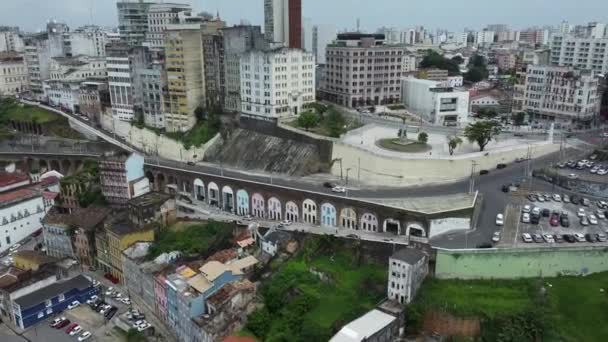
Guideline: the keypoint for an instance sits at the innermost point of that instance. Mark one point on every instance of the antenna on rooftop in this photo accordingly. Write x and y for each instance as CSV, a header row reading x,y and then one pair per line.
x,y
358,24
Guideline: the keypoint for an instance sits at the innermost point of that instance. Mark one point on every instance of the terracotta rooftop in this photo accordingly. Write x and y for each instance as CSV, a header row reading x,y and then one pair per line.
x,y
10,197
223,256
9,178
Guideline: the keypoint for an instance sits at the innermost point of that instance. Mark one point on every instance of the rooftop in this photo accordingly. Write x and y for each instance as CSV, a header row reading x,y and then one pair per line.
x,y
137,251
409,255
121,225
223,256
34,256
86,218
10,178
363,327
10,276
150,199
11,197
79,282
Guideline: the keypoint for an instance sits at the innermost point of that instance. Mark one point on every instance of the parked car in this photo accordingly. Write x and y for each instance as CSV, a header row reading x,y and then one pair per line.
x,y
554,221
63,324
483,172
532,197
558,238
500,220
85,335
548,238
248,217
581,212
569,238
585,202
584,221
575,199
566,199
564,221
73,305
537,238
541,198
602,204
546,212
527,238
557,197
525,218
338,189
76,330
590,237
496,237
601,237
600,214
527,208
111,313
71,327
536,211
144,327
573,176
592,219
501,166
579,237
329,185
93,299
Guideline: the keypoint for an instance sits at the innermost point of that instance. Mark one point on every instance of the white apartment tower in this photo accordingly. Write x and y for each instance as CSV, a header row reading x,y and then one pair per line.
x,y
563,95
583,53
89,41
277,83
159,17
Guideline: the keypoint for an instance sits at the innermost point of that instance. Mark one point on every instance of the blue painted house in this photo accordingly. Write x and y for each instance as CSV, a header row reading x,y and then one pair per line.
x,y
50,300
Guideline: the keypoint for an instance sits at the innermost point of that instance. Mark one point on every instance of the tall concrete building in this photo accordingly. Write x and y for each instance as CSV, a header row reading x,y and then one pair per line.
x,y
151,79
159,16
13,74
213,60
584,53
11,40
283,22
87,40
563,95
322,35
277,83
237,41
185,76
361,70
133,20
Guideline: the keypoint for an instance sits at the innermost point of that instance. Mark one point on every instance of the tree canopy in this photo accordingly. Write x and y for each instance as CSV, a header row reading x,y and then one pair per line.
x,y
477,69
453,143
423,137
435,60
308,120
482,133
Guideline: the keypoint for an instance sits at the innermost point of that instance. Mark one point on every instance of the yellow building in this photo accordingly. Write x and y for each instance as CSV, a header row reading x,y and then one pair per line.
x,y
185,69
31,260
114,239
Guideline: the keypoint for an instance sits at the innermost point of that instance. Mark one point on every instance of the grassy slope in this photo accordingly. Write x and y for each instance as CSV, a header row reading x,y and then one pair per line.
x,y
31,113
576,310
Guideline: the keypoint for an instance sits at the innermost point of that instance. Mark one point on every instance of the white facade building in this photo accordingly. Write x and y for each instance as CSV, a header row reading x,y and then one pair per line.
x,y
434,101
120,82
66,73
407,268
89,41
10,40
322,35
13,74
563,95
458,38
583,53
39,50
277,83
159,17
484,38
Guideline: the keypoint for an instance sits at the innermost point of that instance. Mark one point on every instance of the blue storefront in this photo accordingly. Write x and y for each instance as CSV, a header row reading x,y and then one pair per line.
x,y
50,300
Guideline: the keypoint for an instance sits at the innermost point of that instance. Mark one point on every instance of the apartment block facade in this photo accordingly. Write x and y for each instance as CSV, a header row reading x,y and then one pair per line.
x,y
583,53
361,70
122,178
159,17
277,83
13,74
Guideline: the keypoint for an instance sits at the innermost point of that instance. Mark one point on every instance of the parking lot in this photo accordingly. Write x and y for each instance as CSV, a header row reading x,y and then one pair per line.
x,y
561,231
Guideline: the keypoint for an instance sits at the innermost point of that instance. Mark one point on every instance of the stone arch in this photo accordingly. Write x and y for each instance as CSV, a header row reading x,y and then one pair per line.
x,y
160,182
292,212
228,198
274,208
199,190
214,194
309,211
54,164
391,225
348,218
328,215
257,204
369,222
242,202
415,229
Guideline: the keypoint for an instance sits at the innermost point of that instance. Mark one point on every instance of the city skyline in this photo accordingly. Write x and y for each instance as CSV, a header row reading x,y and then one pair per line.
x,y
389,13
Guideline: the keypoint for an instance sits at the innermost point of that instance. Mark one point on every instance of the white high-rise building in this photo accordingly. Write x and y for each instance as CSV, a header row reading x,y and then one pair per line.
x,y
322,35
88,40
133,20
563,95
584,53
11,40
458,38
159,17
40,49
277,83
484,38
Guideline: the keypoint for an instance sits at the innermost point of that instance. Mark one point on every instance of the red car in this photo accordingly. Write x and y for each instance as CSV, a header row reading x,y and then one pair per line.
x,y
63,324
71,327
554,221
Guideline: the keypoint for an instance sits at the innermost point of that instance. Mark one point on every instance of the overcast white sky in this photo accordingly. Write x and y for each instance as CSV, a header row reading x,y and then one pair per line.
x,y
453,15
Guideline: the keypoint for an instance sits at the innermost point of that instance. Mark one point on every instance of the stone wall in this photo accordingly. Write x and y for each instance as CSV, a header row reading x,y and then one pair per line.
x,y
151,143
520,262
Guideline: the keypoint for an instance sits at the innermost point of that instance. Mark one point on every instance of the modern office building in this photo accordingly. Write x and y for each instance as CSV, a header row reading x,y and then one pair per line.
x,y
433,100
283,22
133,21
13,74
277,83
362,70
237,41
582,53
563,95
159,17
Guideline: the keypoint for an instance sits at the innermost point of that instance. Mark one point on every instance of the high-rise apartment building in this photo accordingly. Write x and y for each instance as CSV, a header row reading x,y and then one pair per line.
x,y
237,41
39,50
159,16
213,59
11,40
584,53
563,95
185,76
283,22
13,74
534,36
484,37
87,40
362,70
277,83
133,21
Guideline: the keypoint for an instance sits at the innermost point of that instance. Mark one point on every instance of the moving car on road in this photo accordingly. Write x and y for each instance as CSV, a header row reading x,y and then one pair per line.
x,y
496,237
338,189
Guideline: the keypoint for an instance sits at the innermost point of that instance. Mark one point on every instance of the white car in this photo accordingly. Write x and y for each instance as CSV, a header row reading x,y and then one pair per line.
x,y
286,223
73,305
105,309
92,299
526,237
338,189
579,237
525,218
600,215
500,220
75,330
557,198
125,300
527,208
573,176
536,211
143,327
592,219
496,237
548,238
85,335
581,212
602,172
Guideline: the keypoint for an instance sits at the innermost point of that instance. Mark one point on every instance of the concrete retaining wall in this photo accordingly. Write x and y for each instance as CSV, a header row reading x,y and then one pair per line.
x,y
151,143
520,263
387,170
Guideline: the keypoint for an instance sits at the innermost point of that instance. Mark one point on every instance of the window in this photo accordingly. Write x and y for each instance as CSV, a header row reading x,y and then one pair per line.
x,y
40,314
48,303
61,297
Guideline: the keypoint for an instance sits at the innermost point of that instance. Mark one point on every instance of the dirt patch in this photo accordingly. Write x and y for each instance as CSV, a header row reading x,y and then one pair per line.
x,y
408,146
447,325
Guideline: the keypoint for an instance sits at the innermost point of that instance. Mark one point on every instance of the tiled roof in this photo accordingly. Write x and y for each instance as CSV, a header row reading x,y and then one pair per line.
x,y
8,178
9,197
223,256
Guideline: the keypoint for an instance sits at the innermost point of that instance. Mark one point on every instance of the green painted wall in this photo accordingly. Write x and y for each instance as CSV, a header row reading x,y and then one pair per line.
x,y
522,262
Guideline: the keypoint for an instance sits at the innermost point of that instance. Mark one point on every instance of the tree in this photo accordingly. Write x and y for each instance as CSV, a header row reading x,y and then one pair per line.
x,y
453,143
519,118
308,120
435,60
334,122
259,322
423,137
475,75
487,113
199,113
458,60
133,335
482,133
